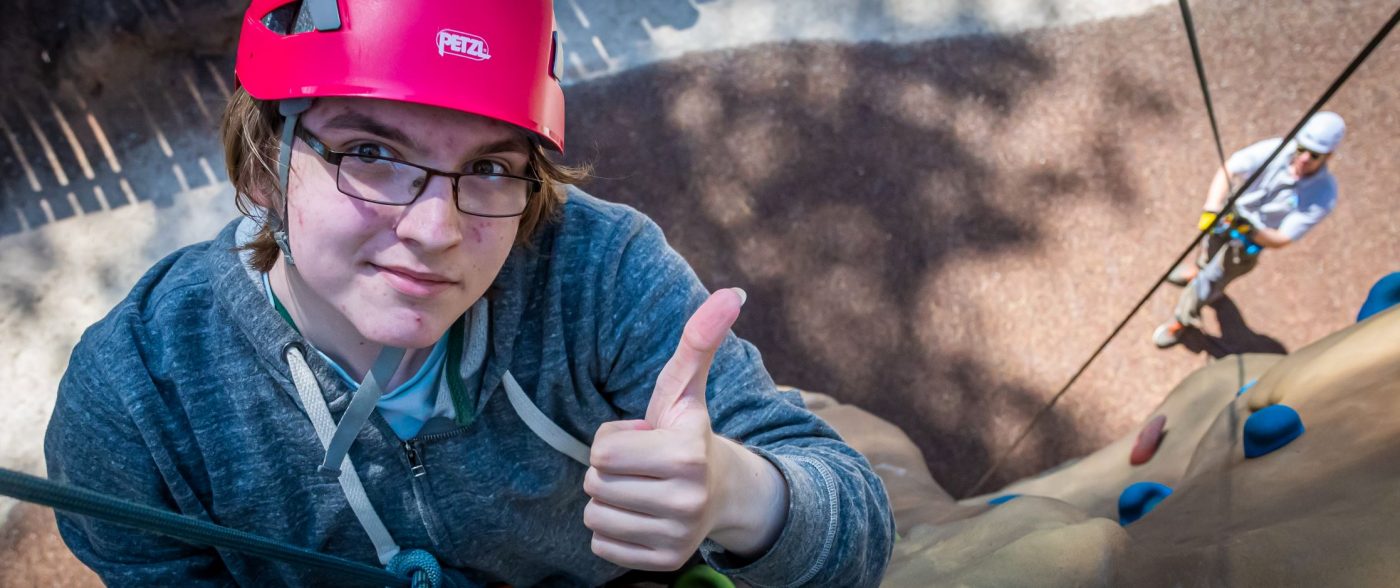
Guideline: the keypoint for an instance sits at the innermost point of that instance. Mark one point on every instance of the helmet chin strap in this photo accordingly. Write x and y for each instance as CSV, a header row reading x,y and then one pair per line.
x,y
372,386
291,111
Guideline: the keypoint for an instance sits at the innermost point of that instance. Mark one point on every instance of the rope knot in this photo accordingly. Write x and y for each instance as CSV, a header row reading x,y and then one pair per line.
x,y
420,567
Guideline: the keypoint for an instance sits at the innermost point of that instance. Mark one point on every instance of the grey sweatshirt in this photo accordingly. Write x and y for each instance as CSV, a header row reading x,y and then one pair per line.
x,y
181,398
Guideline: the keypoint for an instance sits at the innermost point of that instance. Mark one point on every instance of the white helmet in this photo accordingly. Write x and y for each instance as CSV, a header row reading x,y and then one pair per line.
x,y
1323,132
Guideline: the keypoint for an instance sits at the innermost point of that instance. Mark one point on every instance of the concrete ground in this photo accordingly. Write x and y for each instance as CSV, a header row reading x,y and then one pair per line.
x,y
936,228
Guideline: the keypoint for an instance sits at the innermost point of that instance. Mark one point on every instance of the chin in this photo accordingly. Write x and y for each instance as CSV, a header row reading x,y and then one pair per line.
x,y
411,332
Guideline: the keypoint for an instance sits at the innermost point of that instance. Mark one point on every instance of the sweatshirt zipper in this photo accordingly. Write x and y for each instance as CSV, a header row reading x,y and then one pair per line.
x,y
419,471
415,464
410,449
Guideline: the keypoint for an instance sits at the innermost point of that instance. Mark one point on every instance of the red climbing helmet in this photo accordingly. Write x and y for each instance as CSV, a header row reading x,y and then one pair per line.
x,y
495,58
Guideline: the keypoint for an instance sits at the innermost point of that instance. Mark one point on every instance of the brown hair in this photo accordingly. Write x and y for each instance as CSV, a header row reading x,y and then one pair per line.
x,y
251,134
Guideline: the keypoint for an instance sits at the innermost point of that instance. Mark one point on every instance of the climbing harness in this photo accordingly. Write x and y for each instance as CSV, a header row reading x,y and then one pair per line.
x,y
1229,205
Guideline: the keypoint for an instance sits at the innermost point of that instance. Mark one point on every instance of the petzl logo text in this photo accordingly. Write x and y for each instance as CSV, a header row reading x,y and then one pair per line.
x,y
450,42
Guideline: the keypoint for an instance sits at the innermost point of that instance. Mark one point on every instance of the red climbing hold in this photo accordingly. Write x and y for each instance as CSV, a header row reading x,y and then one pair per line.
x,y
1148,440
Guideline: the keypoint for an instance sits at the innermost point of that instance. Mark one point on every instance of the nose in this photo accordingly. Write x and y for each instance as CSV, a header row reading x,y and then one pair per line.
x,y
432,221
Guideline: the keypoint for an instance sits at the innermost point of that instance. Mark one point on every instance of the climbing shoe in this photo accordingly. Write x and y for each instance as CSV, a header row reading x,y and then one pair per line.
x,y
1167,334
1182,274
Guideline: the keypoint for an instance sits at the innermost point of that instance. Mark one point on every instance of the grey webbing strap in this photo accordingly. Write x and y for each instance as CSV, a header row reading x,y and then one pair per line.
x,y
290,110
546,429
361,406
315,404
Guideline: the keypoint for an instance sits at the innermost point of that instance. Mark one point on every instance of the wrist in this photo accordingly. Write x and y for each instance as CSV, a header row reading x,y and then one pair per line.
x,y
753,502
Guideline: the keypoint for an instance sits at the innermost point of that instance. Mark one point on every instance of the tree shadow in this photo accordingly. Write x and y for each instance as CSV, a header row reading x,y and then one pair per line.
x,y
123,107
830,182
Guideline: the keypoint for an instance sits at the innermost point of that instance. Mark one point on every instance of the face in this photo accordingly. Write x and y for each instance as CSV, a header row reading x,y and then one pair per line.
x,y
396,275
1306,163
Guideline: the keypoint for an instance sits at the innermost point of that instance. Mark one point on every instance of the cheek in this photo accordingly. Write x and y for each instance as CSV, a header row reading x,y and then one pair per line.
x,y
493,234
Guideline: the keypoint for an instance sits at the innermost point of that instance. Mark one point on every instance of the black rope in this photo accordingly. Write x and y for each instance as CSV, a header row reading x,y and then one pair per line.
x,y
93,504
1205,87
1332,89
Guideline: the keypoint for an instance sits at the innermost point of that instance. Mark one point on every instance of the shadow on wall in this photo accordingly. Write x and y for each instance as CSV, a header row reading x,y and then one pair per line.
x,y
830,182
110,104
597,32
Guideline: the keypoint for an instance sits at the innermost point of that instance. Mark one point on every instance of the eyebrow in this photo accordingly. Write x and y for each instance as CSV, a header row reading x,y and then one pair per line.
x,y
356,121
363,122
515,143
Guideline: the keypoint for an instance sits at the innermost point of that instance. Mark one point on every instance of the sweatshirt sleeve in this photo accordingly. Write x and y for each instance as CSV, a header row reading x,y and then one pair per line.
x,y
93,442
839,529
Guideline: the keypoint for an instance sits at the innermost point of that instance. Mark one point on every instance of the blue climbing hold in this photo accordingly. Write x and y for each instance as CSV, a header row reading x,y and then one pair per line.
x,y
1139,499
1271,428
1004,499
1385,294
1247,386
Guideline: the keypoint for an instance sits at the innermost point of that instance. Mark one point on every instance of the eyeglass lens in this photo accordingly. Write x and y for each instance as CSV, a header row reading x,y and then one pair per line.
x,y
389,182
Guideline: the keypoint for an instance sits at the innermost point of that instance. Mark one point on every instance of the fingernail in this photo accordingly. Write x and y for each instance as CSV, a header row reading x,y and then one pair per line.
x,y
743,296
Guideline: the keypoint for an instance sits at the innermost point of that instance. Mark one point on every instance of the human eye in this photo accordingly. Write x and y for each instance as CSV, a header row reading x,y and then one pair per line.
x,y
369,152
488,167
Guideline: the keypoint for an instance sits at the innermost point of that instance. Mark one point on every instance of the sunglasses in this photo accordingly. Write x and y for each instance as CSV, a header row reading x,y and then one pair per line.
x,y
1314,154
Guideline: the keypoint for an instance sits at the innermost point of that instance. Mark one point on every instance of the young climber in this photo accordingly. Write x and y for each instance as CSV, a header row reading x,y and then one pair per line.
x,y
1294,193
421,336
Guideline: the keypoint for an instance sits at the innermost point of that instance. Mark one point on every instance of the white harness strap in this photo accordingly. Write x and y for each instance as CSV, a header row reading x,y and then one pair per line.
x,y
315,404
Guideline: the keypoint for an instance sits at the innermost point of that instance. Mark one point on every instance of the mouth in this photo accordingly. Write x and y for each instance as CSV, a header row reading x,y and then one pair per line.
x,y
414,283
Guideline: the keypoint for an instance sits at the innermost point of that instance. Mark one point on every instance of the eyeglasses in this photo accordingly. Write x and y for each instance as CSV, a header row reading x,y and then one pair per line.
x,y
386,180
1314,154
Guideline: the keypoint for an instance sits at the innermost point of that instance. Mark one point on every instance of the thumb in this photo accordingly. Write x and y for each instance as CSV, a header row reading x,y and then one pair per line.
x,y
679,395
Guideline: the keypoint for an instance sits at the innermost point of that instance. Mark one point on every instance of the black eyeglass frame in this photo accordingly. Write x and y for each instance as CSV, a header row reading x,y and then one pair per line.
x,y
334,157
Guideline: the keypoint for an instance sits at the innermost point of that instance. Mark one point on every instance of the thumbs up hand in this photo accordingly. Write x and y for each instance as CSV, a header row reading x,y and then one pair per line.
x,y
660,486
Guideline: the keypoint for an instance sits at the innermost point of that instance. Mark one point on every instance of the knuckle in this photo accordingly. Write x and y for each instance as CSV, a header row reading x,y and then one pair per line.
x,y
607,428
602,455
599,547
591,515
592,482
692,455
677,533
690,504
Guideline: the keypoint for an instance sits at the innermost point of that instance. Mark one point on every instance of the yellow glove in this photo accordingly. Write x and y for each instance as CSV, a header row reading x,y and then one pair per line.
x,y
1207,220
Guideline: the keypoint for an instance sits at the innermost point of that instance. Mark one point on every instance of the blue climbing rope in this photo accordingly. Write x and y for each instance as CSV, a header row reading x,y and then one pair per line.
x,y
85,502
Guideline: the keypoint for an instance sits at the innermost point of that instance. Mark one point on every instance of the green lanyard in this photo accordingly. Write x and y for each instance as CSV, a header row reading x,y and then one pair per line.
x,y
282,310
